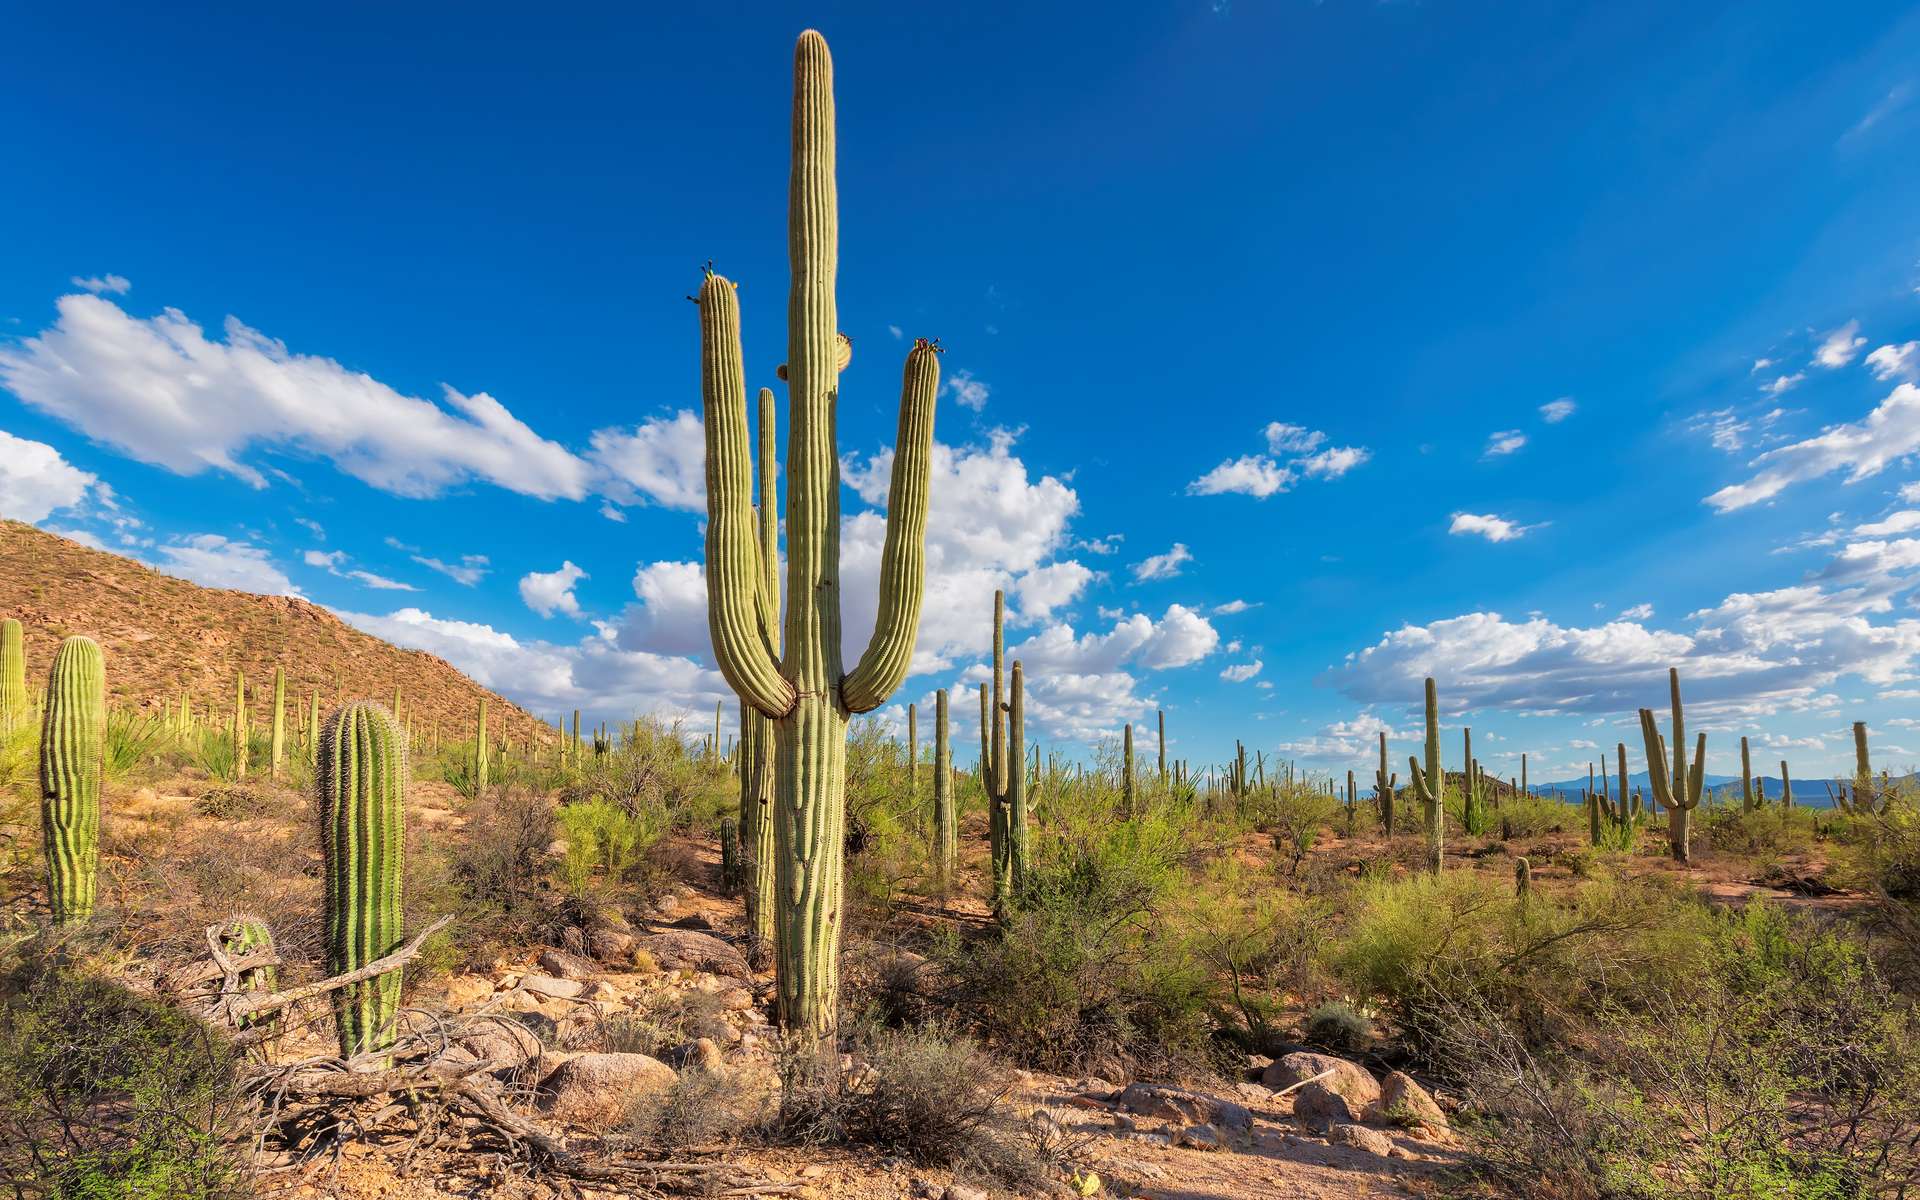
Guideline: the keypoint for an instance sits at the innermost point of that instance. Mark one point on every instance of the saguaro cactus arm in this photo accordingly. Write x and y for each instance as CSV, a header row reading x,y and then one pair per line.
x,y
903,558
744,652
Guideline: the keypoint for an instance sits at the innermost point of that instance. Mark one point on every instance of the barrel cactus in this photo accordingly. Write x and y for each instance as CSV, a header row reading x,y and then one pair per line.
x,y
362,781
245,936
805,689
72,735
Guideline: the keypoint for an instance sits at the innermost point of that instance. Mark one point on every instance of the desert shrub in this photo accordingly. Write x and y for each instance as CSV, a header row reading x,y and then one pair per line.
x,y
230,801
604,841
133,740
1420,947
650,769
104,1093
930,1094
1340,1028
886,836
702,1108
501,861
212,751
1086,971
1528,816
1262,944
1764,833
1789,1071
657,1021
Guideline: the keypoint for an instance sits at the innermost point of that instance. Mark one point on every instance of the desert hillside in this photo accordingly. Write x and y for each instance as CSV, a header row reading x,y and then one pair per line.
x,y
163,634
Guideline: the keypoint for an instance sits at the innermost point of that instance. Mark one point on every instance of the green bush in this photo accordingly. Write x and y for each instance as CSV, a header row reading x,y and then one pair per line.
x,y
104,1093
1764,833
604,841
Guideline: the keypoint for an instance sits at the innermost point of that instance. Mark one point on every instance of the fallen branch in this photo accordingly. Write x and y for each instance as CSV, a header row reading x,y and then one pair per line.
x,y
237,1005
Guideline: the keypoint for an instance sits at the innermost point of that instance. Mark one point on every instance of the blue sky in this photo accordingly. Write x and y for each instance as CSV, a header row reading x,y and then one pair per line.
x,y
1295,351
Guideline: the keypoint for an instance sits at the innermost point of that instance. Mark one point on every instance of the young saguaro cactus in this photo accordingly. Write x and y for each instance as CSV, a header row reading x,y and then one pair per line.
x,y
1677,790
756,729
803,689
946,832
1747,799
240,725
1430,783
1383,789
1003,744
279,721
362,782
481,754
72,733
13,675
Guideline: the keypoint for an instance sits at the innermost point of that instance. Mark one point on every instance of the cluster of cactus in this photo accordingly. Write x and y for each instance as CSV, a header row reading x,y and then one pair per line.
x,y
1430,782
1473,789
72,736
1677,789
803,688
362,779
1003,762
1613,823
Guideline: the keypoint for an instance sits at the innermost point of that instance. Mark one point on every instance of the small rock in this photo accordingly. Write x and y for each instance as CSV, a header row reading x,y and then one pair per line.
x,y
467,991
1184,1104
597,1089
508,1045
812,1171
736,999
1360,1137
1097,1086
926,1189
701,1053
1202,1137
1351,1080
611,946
1319,1106
1404,1102
960,1191
563,965
694,921
667,905
547,985
686,950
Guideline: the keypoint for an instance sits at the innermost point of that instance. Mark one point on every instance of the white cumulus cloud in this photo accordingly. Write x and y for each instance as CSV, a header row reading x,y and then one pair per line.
x,y
1488,526
1861,448
548,592
1163,566
36,481
1840,347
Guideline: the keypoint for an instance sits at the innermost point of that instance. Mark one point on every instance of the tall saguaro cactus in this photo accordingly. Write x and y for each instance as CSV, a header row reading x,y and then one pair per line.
x,y
1747,799
803,688
480,748
240,725
1161,715
13,675
756,729
1678,790
1430,783
72,733
362,782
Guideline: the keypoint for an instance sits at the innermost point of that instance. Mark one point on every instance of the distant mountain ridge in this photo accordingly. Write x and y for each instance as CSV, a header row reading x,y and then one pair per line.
x,y
164,635
1813,792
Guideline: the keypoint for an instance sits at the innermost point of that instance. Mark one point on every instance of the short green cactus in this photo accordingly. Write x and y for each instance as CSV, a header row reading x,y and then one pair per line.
x,y
362,783
72,736
1677,790
243,936
13,676
1430,783
1522,878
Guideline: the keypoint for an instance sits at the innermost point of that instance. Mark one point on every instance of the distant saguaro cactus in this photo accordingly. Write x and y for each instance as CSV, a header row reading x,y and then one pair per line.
x,y
13,675
805,689
362,793
72,734
240,725
279,721
1430,783
1383,789
946,834
1678,790
481,756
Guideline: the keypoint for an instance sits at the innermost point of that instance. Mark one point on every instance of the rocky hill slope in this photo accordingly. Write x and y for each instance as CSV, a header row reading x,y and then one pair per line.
x,y
164,636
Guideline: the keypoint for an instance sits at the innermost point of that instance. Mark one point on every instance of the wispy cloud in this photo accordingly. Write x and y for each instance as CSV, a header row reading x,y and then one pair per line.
x,y
1840,347
1241,672
1163,566
967,391
1503,443
118,285
471,568
1555,411
1293,452
1861,448
1488,526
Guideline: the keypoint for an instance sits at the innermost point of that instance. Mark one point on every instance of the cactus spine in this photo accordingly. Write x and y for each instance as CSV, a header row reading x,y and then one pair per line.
x,y
13,676
1678,790
72,733
946,833
362,782
1430,784
804,689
